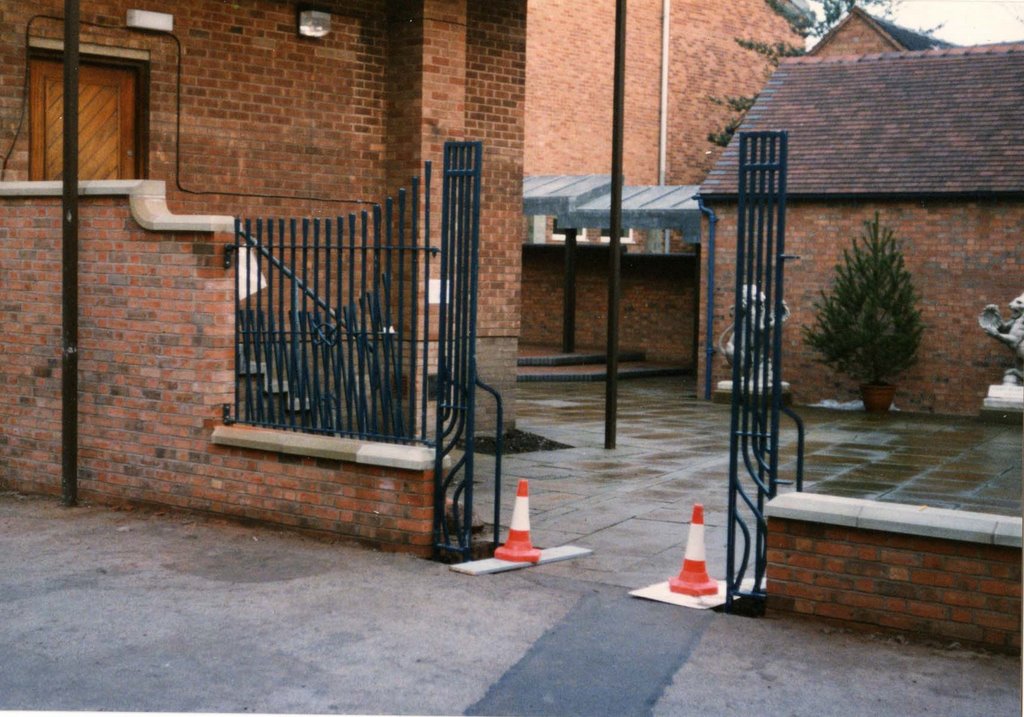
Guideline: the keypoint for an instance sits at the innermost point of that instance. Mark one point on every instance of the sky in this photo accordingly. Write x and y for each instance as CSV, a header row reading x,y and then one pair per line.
x,y
963,22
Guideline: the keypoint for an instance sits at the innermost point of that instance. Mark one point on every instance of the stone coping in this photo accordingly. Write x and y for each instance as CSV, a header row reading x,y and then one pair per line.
x,y
389,455
919,520
146,197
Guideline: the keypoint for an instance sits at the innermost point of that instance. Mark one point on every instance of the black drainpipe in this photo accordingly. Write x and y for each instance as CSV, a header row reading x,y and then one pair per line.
x,y
709,343
69,262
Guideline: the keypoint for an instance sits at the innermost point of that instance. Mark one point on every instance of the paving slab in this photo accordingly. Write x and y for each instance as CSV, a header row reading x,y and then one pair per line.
x,y
491,566
657,474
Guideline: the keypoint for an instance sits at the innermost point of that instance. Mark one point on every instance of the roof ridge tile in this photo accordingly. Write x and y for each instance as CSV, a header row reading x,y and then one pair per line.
x,y
998,48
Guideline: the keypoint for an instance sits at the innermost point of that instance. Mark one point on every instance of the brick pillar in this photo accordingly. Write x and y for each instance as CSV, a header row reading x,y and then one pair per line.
x,y
426,84
456,70
495,113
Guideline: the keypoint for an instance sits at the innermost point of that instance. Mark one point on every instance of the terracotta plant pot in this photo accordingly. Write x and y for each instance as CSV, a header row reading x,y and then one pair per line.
x,y
877,397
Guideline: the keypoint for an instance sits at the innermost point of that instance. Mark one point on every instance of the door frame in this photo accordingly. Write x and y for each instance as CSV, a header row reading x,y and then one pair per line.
x,y
140,68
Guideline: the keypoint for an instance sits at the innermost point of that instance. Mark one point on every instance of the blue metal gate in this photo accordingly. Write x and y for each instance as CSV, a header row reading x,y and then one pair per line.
x,y
759,312
331,329
358,327
457,378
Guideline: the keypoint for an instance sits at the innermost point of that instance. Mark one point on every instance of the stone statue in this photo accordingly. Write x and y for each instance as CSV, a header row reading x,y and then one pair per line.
x,y
1009,332
753,304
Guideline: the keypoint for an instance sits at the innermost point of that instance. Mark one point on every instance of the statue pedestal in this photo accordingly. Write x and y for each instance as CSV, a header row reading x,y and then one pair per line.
x,y
723,393
1004,402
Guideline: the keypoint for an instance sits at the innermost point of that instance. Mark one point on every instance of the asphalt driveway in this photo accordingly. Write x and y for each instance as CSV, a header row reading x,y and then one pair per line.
x,y
143,611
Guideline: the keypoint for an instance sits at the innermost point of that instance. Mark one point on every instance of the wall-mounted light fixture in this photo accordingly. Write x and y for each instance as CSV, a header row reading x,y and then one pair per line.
x,y
147,20
313,21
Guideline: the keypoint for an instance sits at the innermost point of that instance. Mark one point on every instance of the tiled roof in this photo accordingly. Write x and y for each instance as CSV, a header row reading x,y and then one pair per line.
x,y
934,122
910,39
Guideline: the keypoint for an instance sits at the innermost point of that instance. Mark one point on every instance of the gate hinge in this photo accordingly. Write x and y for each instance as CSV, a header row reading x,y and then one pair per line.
x,y
229,250
226,414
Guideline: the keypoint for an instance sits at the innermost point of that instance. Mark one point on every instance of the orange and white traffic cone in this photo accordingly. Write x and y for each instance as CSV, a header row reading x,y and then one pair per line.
x,y
693,578
518,548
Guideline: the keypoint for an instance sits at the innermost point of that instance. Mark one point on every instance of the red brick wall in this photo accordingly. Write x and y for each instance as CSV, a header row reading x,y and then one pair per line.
x,y
658,302
495,106
349,116
962,255
713,65
472,59
495,79
404,77
569,93
262,110
155,347
929,586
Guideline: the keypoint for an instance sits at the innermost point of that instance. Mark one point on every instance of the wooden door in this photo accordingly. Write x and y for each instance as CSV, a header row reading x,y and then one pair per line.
x,y
107,121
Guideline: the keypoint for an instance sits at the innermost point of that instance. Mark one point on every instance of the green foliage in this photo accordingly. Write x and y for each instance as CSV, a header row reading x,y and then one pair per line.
x,y
868,327
737,105
835,10
832,11
772,52
797,20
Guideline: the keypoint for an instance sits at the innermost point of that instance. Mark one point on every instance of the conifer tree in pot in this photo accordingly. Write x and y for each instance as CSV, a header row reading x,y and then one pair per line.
x,y
868,326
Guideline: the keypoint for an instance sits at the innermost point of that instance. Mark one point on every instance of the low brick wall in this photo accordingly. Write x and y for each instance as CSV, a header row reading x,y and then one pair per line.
x,y
376,494
939,573
155,366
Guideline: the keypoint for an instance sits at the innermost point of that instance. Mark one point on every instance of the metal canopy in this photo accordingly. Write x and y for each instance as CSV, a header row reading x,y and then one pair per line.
x,y
578,201
652,207
555,196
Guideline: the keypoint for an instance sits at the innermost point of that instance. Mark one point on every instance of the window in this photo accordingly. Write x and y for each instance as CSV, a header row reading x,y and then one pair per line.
x,y
558,233
108,122
625,237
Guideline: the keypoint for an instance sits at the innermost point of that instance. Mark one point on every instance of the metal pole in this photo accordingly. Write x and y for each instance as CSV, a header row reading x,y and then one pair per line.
x,y
614,242
69,265
666,15
569,294
666,36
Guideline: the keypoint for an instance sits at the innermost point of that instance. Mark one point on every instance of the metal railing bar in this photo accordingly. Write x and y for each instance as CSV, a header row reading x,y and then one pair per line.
x,y
319,387
427,170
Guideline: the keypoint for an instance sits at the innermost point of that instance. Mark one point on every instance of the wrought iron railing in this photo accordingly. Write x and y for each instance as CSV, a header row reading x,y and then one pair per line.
x,y
759,314
334,332
457,377
331,332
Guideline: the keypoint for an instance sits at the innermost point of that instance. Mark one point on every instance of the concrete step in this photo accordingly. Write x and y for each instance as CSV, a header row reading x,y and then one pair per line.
x,y
598,372
574,359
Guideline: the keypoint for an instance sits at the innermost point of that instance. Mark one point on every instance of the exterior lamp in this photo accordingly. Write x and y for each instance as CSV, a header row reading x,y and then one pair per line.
x,y
313,22
148,20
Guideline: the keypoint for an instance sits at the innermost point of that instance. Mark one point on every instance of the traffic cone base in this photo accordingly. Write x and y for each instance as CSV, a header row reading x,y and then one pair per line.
x,y
519,548
693,580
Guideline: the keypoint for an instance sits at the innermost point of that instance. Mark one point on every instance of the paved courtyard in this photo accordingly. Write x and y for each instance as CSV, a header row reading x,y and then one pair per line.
x,y
632,505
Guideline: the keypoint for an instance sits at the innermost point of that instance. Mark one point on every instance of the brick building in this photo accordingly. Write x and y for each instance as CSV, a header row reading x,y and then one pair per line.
x,y
936,147
312,122
570,50
860,33
231,113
